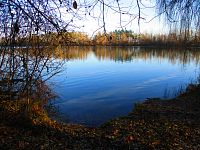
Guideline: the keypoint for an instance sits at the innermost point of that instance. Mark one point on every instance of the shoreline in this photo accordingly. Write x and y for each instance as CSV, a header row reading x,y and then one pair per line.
x,y
108,45
153,124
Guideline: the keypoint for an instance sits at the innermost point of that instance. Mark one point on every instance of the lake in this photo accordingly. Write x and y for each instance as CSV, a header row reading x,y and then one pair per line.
x,y
102,83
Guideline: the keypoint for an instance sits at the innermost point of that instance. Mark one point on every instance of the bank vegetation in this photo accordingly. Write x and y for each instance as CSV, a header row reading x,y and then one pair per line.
x,y
114,38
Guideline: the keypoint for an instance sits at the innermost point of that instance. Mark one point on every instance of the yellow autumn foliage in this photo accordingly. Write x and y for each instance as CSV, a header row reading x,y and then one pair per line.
x,y
31,110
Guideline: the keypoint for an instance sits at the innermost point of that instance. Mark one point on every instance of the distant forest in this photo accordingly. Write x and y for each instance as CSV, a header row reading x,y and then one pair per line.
x,y
114,38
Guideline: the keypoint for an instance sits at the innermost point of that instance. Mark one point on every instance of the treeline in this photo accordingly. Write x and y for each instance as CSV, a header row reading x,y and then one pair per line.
x,y
51,38
129,38
115,38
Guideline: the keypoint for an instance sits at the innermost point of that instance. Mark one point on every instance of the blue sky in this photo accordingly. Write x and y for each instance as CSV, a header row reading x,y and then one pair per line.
x,y
93,20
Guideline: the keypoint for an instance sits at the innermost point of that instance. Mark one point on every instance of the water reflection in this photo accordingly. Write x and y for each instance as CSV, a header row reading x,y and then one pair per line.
x,y
24,70
96,83
99,83
123,54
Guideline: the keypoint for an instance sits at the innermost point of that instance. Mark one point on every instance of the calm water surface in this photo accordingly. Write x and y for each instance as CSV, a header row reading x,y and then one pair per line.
x,y
101,83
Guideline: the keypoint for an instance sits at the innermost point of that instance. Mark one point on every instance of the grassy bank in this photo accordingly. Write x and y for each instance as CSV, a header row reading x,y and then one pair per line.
x,y
154,124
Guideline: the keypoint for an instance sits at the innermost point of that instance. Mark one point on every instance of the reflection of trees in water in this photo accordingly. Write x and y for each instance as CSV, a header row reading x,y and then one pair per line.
x,y
182,56
129,54
23,72
73,52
